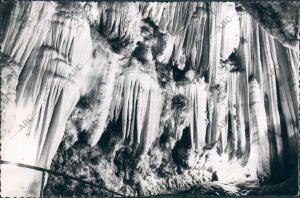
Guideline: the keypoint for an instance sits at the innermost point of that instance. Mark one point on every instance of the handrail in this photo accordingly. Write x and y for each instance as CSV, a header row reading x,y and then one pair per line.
x,y
58,174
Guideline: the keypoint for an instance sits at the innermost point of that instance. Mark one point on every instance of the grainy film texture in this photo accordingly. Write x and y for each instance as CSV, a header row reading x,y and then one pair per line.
x,y
149,98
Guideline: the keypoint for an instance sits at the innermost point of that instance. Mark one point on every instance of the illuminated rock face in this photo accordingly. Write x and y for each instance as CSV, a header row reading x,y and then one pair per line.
x,y
186,91
137,99
196,95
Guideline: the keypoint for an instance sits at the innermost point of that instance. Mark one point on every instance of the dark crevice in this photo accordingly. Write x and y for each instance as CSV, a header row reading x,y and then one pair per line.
x,y
290,164
180,151
111,136
178,74
140,52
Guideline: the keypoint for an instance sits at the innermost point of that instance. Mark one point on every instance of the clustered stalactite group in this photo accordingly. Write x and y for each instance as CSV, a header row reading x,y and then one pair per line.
x,y
236,82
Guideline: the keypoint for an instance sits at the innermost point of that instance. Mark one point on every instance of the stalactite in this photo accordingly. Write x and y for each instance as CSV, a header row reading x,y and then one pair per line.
x,y
116,23
287,79
229,33
105,64
183,31
217,47
46,76
270,92
194,37
260,150
176,17
9,72
222,126
242,140
46,92
264,56
137,98
235,91
253,121
153,10
31,23
232,93
214,38
222,19
212,112
196,93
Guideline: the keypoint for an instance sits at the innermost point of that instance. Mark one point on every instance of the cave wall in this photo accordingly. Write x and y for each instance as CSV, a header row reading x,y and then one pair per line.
x,y
206,77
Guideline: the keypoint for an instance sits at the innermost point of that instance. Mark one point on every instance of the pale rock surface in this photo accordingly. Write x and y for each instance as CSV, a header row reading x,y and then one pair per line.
x,y
147,98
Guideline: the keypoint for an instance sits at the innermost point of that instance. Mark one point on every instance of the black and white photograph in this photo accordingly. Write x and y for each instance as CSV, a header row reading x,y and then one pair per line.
x,y
149,99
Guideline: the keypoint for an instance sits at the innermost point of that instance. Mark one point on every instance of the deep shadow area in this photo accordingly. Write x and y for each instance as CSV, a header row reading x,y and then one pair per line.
x,y
111,136
180,151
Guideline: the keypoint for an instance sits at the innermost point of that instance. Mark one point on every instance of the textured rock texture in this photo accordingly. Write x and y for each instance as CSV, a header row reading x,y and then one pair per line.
x,y
278,18
150,98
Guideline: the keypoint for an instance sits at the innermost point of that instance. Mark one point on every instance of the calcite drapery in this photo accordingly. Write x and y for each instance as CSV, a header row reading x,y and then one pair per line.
x,y
196,94
225,47
259,133
137,98
46,93
271,63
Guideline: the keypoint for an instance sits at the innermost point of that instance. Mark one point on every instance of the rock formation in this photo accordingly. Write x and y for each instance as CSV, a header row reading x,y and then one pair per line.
x,y
149,98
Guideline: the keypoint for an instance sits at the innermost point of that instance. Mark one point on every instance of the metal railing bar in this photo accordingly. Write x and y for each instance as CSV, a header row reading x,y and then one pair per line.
x,y
58,174
42,184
